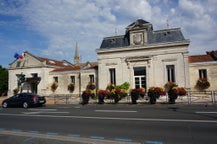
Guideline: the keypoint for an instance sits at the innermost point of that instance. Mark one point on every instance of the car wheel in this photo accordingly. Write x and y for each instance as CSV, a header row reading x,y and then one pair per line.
x,y
5,105
25,105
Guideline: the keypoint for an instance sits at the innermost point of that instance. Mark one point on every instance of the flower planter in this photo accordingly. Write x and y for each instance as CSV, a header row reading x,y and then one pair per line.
x,y
101,99
172,98
152,97
152,100
116,98
134,98
85,99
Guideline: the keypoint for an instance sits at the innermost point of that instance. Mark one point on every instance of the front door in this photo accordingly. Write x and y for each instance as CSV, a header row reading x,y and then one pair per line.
x,y
140,77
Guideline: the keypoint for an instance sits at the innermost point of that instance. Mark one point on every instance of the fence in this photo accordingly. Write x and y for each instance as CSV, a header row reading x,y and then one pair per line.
x,y
192,97
64,98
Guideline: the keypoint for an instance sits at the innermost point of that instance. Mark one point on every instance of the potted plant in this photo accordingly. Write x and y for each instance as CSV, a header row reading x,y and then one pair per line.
x,y
54,86
91,86
16,90
101,95
71,87
202,84
172,90
182,91
86,96
154,93
117,92
136,93
173,94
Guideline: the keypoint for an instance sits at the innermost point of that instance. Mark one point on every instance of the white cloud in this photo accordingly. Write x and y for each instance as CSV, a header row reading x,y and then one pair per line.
x,y
63,22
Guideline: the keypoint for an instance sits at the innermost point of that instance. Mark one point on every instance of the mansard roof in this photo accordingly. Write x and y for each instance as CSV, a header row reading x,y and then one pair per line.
x,y
153,37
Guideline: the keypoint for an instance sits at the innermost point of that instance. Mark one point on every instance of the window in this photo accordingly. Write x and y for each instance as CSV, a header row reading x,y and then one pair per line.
x,y
91,78
140,77
171,73
72,79
112,76
55,79
202,73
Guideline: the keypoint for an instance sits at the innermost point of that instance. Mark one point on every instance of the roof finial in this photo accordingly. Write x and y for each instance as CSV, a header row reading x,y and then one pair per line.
x,y
116,31
168,23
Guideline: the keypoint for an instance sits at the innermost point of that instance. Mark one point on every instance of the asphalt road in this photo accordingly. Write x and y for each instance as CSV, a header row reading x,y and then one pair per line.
x,y
109,123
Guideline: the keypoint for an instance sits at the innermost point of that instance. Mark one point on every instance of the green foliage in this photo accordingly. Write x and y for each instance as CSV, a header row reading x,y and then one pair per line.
x,y
3,81
125,86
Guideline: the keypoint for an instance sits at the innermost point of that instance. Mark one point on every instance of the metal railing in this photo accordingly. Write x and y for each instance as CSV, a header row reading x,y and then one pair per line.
x,y
192,97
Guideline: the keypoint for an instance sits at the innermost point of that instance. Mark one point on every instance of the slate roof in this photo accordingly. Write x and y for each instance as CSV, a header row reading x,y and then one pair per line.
x,y
154,37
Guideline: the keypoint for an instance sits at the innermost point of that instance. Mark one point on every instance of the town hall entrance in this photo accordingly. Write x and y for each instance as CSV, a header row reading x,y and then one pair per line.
x,y
140,77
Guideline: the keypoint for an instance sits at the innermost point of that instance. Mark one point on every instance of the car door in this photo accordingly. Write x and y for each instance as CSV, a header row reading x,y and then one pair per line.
x,y
20,99
13,101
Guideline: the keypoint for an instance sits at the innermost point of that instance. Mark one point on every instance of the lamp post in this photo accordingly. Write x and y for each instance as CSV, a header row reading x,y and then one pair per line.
x,y
20,80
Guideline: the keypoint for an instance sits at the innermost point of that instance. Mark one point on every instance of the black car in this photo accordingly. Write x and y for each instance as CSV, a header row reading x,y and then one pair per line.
x,y
24,100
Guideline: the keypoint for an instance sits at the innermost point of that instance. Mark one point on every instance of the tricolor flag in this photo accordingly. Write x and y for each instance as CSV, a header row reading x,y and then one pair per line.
x,y
18,56
22,56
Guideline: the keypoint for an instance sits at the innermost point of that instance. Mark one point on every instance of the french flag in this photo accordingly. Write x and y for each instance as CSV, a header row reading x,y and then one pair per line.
x,y
17,56
22,56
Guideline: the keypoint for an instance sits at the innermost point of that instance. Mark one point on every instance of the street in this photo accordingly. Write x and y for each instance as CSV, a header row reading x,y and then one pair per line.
x,y
110,123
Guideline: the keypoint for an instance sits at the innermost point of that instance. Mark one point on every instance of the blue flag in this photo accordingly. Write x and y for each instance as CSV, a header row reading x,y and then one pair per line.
x,y
16,55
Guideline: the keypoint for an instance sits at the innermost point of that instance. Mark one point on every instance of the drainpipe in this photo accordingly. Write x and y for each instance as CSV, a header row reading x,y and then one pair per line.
x,y
79,76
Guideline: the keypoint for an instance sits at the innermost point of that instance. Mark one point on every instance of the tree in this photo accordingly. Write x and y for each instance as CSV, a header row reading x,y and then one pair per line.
x,y
3,81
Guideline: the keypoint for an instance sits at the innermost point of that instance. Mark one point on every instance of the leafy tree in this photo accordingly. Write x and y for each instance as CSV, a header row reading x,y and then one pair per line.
x,y
3,81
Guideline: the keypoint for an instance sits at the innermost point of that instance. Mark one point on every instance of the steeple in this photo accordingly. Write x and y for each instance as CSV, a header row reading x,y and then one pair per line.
x,y
76,57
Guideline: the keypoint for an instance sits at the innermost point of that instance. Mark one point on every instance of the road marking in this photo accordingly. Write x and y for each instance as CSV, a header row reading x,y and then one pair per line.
x,y
73,135
16,130
42,109
40,112
29,139
65,138
34,131
52,133
114,118
2,129
204,112
123,139
154,142
97,137
115,111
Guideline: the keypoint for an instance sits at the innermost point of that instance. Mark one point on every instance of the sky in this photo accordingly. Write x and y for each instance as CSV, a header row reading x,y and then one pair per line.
x,y
51,28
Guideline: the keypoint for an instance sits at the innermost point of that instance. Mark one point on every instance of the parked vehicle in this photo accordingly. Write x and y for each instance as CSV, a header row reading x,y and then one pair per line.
x,y
24,100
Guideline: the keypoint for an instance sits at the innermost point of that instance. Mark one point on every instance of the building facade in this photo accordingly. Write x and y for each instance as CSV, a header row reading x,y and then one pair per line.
x,y
40,73
144,57
203,66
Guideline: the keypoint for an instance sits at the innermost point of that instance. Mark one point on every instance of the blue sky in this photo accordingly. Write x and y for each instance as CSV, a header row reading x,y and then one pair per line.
x,y
51,28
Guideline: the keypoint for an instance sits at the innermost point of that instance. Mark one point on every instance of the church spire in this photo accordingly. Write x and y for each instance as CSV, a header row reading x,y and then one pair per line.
x,y
76,57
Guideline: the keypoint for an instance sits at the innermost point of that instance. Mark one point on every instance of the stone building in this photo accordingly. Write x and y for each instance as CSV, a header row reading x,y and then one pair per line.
x,y
203,66
40,73
144,57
